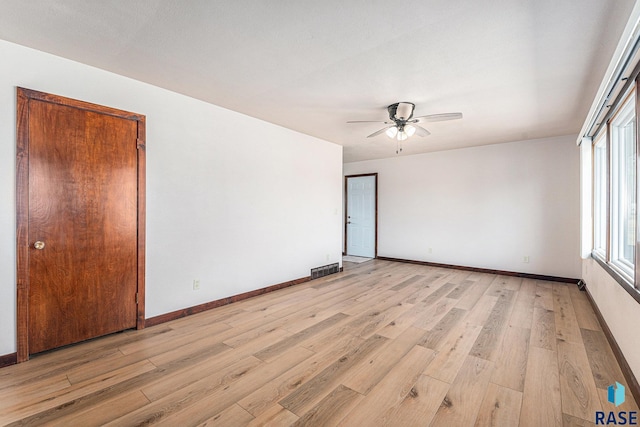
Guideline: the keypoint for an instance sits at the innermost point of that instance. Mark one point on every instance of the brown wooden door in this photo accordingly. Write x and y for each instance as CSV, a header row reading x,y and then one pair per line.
x,y
83,208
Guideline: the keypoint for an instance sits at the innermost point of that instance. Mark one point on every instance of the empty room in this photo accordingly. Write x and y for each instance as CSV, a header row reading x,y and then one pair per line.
x,y
319,213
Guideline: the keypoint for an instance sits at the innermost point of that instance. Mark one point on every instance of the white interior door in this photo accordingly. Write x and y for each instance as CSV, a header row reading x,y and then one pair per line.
x,y
361,216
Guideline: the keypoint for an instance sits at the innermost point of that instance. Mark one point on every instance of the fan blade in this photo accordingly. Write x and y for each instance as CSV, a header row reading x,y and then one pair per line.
x,y
439,117
365,121
379,132
420,131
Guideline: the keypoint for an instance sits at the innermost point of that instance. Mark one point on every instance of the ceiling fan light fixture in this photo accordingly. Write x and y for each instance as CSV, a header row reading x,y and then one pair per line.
x,y
392,132
402,135
409,130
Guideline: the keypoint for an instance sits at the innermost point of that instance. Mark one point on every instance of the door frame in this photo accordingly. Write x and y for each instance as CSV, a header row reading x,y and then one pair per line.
x,y
346,210
24,96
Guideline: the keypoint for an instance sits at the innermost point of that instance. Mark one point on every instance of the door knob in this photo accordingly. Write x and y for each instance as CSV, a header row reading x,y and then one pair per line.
x,y
39,245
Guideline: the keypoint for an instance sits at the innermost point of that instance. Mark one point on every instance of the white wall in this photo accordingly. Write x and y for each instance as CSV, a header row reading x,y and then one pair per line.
x,y
233,201
485,207
618,308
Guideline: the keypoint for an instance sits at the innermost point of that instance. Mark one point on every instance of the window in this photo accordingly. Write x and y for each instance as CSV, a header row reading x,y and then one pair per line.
x,y
614,194
600,195
623,189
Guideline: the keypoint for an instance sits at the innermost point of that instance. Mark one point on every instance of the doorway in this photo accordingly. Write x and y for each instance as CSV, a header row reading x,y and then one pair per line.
x,y
361,215
80,221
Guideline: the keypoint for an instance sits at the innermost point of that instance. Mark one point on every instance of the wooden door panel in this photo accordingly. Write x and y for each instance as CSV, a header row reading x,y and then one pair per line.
x,y
83,204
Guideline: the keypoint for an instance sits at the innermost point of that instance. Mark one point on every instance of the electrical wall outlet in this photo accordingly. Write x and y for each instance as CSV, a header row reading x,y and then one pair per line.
x,y
430,250
525,259
196,284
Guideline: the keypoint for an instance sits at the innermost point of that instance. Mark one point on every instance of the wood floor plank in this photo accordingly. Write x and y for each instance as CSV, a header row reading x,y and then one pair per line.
x,y
205,318
430,285
454,351
407,282
204,399
276,349
401,323
363,377
570,421
241,335
480,312
365,303
522,314
496,286
327,338
460,290
544,296
371,322
603,363
170,340
567,328
307,318
490,338
379,404
328,296
462,402
541,400
438,294
330,410
106,411
184,375
215,377
234,415
189,339
106,364
49,365
500,407
433,338
274,416
511,362
40,405
430,314
472,296
346,277
279,300
459,276
354,303
11,396
200,362
543,331
504,283
264,397
585,315
333,292
420,405
313,391
545,284
577,387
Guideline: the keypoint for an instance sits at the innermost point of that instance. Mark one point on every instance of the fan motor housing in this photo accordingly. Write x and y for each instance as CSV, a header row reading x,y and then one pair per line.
x,y
401,110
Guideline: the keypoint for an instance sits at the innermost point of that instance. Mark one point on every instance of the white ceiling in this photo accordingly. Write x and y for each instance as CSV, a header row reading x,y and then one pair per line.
x,y
516,69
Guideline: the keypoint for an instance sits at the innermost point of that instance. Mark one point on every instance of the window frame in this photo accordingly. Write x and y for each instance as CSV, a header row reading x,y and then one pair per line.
x,y
600,201
618,126
625,273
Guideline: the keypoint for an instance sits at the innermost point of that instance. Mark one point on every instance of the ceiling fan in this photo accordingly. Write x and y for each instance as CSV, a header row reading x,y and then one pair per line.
x,y
402,124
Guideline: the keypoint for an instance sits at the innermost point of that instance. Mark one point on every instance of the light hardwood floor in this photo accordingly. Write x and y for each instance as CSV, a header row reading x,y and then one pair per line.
x,y
381,343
